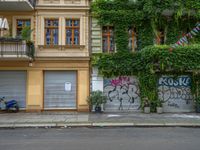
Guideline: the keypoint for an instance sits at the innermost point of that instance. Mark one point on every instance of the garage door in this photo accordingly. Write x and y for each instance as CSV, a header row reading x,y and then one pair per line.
x,y
13,86
60,89
176,93
123,94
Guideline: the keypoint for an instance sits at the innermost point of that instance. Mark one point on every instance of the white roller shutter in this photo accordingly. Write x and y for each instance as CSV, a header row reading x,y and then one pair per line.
x,y
60,89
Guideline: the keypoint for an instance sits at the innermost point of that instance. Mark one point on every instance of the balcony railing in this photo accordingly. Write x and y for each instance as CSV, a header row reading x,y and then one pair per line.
x,y
15,48
63,2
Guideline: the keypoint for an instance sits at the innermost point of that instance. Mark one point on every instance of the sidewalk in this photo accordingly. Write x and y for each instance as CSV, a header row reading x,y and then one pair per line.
x,y
73,119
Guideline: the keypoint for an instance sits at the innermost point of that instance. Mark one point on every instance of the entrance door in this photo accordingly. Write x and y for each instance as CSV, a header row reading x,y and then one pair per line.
x,y
60,89
13,86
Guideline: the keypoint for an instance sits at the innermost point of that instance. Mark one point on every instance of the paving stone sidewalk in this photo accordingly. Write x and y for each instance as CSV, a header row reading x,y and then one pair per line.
x,y
73,119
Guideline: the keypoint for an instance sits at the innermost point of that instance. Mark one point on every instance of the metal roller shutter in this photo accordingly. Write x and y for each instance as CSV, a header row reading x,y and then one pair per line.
x,y
60,89
123,94
13,86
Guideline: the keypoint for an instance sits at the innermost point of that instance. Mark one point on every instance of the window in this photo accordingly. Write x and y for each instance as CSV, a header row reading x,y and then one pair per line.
x,y
108,39
51,32
21,23
72,32
160,37
132,43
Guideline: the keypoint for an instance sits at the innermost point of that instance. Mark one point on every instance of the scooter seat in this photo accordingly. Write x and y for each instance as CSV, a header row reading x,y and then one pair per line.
x,y
11,103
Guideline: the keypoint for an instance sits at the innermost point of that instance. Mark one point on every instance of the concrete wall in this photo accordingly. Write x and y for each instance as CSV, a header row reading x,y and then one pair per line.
x,y
83,89
35,90
97,81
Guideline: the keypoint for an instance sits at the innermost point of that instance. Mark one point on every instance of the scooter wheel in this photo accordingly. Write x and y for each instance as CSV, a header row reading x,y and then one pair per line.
x,y
16,109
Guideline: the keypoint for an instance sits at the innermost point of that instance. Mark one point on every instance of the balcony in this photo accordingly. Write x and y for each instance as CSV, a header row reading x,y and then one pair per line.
x,y
17,5
11,48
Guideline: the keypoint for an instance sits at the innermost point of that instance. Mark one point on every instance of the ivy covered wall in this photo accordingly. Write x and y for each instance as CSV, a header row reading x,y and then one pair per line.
x,y
147,16
175,18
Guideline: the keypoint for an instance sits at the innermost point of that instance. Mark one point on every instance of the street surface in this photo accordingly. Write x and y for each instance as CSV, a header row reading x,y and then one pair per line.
x,y
100,139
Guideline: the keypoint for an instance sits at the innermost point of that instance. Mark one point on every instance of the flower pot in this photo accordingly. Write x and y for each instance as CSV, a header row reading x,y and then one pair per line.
x,y
102,107
93,108
159,110
146,110
98,109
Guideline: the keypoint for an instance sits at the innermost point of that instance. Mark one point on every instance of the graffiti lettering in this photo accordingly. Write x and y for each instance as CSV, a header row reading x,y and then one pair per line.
x,y
167,81
176,93
123,93
173,105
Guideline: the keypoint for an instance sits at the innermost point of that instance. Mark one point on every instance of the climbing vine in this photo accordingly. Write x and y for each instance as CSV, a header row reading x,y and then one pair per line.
x,y
147,16
175,18
150,63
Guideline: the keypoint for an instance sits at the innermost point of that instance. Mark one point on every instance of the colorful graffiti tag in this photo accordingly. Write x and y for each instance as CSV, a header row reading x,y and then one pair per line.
x,y
122,93
176,93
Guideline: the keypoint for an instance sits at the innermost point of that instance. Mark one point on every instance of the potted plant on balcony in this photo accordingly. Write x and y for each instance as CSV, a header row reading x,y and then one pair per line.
x,y
146,104
26,36
96,101
159,106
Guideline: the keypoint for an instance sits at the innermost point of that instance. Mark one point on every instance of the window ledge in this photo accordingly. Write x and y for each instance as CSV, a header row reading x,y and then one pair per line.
x,y
62,47
74,46
48,46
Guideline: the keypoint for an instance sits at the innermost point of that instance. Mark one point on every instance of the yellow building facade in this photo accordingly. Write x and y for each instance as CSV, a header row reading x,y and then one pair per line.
x,y
58,77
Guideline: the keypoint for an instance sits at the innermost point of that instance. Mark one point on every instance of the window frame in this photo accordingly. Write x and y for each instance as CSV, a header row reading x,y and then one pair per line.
x,y
160,37
73,28
133,37
51,36
108,36
17,27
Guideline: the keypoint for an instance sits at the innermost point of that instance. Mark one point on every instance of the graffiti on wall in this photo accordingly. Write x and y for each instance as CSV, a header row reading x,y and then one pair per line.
x,y
175,93
122,93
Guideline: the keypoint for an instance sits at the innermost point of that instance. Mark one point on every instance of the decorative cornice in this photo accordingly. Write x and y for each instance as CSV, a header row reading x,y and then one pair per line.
x,y
62,58
61,7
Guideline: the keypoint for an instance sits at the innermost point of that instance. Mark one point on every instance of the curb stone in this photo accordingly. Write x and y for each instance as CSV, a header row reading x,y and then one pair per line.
x,y
97,124
110,124
71,124
149,124
183,124
34,125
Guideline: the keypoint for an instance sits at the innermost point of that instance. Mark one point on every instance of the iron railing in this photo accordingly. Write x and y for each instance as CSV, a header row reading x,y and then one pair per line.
x,y
15,48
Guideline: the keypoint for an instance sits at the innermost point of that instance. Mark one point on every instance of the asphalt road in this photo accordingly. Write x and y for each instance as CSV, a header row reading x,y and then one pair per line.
x,y
100,139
